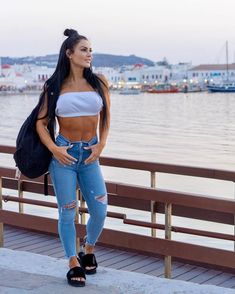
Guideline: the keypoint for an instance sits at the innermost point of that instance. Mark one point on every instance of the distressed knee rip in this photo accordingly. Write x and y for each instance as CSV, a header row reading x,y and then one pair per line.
x,y
70,205
67,213
102,198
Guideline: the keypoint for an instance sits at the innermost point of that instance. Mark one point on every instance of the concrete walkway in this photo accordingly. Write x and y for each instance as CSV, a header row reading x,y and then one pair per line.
x,y
26,273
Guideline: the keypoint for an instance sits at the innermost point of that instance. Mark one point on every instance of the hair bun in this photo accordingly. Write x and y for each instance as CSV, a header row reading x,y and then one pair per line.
x,y
70,33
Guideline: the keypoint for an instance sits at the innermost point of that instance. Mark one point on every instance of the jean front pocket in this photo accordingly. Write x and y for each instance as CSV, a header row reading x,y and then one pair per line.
x,y
61,142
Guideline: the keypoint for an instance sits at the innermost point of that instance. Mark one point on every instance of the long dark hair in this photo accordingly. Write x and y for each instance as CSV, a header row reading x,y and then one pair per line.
x,y
53,85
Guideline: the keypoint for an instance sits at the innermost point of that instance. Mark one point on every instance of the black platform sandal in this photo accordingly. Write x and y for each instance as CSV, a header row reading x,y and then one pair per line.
x,y
76,272
88,260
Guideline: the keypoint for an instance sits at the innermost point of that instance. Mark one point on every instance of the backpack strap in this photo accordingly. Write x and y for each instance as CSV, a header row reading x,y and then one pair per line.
x,y
46,183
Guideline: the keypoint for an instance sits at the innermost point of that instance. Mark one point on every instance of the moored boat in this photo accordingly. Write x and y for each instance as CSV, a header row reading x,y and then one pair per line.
x,y
163,88
191,88
129,91
226,87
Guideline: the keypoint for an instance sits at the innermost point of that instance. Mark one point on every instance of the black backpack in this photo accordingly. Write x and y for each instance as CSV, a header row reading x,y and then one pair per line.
x,y
32,157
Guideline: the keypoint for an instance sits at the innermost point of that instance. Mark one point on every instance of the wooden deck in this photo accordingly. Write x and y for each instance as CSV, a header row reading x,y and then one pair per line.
x,y
19,239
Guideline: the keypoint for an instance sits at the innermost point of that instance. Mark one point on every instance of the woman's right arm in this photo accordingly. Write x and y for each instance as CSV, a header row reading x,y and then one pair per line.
x,y
41,127
60,153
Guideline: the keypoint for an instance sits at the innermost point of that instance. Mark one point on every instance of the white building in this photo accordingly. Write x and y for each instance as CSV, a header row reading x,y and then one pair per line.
x,y
138,73
113,75
158,73
8,77
155,74
180,71
212,72
132,74
24,76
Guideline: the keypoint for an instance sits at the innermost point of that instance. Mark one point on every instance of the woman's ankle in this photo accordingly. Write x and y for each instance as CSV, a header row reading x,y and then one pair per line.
x,y
73,261
89,249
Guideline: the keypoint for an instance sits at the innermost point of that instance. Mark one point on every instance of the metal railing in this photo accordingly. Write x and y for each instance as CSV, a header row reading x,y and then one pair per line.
x,y
156,201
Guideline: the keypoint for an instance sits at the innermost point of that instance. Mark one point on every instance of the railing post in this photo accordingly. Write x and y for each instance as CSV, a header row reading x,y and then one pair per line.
x,y
168,213
234,220
20,195
77,221
153,203
1,223
82,214
82,205
82,218
234,233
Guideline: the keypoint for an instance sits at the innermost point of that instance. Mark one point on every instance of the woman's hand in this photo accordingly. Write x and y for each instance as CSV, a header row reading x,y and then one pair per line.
x,y
60,153
95,152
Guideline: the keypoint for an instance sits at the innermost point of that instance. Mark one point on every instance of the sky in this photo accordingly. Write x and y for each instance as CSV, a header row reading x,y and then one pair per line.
x,y
180,30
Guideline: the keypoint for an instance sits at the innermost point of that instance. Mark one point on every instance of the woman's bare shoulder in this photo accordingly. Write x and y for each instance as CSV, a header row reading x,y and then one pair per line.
x,y
103,79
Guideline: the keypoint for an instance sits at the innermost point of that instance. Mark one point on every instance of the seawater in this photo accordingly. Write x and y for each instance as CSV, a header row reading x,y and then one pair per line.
x,y
194,129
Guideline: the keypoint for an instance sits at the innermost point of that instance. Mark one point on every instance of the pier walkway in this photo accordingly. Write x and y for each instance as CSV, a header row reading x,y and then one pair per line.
x,y
25,272
142,269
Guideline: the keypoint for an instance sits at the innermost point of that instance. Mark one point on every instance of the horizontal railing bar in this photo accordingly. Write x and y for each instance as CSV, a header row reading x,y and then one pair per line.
x,y
109,213
7,198
38,187
175,229
7,172
197,213
203,233
169,168
7,149
180,230
181,198
10,173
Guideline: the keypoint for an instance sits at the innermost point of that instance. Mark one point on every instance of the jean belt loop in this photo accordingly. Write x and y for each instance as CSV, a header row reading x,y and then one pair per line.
x,y
93,140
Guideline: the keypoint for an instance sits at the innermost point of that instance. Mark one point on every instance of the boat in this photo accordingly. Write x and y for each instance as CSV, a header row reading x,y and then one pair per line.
x,y
191,88
163,88
129,91
226,86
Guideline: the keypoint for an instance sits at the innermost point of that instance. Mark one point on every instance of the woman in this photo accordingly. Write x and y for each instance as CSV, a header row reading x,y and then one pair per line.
x,y
79,99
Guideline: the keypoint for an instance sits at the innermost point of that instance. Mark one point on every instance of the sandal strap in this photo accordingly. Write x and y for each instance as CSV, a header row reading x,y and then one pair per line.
x,y
76,272
88,260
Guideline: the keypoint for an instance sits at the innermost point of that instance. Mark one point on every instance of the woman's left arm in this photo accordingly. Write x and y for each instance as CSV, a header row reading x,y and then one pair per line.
x,y
103,128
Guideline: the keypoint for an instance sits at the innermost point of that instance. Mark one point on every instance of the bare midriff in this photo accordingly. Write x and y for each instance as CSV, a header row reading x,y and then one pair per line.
x,y
81,128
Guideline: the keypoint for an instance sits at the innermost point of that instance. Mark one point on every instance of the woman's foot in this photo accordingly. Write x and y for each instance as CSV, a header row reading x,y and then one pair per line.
x,y
73,262
88,260
89,249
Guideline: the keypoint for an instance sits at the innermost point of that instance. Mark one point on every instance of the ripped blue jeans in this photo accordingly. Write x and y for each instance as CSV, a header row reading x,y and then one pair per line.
x,y
91,183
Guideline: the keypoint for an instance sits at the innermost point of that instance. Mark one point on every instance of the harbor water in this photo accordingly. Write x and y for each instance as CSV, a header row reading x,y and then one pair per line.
x,y
194,129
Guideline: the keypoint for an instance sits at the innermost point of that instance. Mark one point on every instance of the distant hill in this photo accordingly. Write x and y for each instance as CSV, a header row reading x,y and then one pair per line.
x,y
99,59
110,60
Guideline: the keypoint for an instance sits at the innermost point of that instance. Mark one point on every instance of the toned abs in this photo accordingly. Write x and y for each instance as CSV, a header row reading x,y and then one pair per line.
x,y
78,128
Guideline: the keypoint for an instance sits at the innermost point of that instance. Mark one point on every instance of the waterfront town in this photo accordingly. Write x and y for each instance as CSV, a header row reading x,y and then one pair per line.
x,y
127,79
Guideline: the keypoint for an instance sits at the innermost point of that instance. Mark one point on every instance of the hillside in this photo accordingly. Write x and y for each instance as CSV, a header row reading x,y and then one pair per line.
x,y
99,59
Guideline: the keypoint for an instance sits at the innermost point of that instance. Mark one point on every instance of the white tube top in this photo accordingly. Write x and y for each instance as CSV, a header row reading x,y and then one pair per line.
x,y
72,104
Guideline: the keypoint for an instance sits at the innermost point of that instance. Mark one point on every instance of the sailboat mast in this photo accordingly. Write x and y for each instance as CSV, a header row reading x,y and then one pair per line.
x,y
227,58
